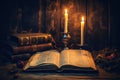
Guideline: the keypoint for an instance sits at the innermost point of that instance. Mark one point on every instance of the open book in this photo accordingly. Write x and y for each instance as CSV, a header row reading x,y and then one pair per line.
x,y
66,60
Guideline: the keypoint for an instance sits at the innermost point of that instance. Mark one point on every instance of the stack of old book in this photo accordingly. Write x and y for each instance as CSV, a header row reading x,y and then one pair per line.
x,y
23,45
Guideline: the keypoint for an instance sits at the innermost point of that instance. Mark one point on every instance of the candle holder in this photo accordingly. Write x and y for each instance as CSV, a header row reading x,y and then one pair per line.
x,y
81,45
84,46
65,39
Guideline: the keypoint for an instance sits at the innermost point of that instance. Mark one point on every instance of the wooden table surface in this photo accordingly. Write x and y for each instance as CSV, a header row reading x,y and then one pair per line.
x,y
8,72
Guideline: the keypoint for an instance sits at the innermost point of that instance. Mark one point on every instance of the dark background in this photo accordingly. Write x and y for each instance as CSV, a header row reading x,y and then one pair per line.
x,y
114,18
47,16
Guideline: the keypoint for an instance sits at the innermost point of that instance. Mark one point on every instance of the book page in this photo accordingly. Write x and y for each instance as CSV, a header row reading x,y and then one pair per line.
x,y
79,58
50,57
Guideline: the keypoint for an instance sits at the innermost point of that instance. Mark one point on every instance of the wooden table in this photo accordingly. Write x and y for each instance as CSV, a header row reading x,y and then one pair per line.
x,y
6,74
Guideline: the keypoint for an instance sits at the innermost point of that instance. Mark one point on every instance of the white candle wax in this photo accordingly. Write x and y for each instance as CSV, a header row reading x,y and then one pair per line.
x,y
82,31
66,21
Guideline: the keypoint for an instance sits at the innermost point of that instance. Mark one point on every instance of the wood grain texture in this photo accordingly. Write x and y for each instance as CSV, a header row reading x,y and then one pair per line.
x,y
48,16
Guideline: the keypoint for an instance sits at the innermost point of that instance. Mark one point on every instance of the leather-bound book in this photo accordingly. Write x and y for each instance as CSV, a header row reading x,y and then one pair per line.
x,y
30,39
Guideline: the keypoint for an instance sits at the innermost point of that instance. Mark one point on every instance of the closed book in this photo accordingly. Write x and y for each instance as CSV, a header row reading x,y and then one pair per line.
x,y
30,38
32,48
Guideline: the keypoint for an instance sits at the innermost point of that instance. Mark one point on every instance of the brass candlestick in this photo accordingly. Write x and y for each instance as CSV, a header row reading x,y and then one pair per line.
x,y
65,39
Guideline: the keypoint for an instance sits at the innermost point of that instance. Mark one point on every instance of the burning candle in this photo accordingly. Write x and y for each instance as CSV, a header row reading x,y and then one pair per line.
x,y
66,21
82,31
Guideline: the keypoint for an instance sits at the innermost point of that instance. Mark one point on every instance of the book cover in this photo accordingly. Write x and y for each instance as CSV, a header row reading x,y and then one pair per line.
x,y
30,38
32,48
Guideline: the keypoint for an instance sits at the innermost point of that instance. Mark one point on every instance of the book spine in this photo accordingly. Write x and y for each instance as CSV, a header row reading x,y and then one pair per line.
x,y
33,40
26,40
40,39
32,48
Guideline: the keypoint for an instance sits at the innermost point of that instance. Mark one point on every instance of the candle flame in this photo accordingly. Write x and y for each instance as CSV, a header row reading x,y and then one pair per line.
x,y
65,11
82,19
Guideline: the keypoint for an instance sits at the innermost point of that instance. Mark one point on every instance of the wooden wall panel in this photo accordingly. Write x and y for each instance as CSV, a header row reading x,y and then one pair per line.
x,y
97,23
52,22
48,16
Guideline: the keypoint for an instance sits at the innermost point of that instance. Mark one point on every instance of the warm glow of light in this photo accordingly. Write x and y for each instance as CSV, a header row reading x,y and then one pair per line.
x,y
82,19
66,11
